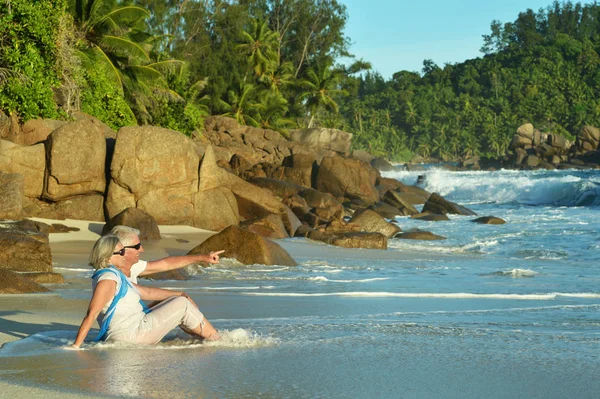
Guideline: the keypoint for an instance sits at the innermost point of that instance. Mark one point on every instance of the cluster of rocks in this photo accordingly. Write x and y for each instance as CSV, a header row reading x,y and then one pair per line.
x,y
532,149
232,175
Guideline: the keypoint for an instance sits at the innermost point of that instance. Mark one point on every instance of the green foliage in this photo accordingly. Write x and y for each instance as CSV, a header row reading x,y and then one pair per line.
x,y
28,32
101,98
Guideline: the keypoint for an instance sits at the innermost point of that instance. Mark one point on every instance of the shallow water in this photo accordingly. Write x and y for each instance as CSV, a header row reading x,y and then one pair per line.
x,y
494,311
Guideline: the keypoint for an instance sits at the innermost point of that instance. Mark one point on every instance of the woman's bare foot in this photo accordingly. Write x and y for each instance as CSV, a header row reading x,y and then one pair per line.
x,y
213,337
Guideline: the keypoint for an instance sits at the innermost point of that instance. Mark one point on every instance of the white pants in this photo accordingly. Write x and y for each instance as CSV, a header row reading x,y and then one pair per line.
x,y
164,317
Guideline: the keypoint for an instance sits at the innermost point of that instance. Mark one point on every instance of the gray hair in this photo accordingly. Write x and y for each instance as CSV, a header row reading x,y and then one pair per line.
x,y
102,251
127,235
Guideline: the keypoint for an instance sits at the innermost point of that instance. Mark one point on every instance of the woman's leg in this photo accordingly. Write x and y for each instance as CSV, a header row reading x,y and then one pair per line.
x,y
170,313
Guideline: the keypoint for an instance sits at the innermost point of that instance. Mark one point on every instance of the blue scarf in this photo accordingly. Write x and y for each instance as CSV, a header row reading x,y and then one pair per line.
x,y
125,284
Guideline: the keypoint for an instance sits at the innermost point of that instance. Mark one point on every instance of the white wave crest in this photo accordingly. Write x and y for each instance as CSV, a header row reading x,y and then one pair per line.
x,y
453,295
365,280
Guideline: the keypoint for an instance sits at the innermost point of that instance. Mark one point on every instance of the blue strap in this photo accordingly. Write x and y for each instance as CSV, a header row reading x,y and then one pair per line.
x,y
125,283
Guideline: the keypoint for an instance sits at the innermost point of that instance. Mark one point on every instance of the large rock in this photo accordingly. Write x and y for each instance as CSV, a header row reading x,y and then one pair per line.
x,y
321,138
370,221
413,195
106,130
437,204
15,283
349,178
270,226
33,131
524,137
280,188
385,210
368,240
430,217
588,139
401,201
27,161
76,156
245,246
37,130
489,220
298,169
137,219
83,207
11,196
156,170
24,250
419,235
215,209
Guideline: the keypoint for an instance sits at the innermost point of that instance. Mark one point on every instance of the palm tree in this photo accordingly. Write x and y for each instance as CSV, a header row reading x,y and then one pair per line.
x,y
278,77
242,105
321,84
117,42
273,113
260,44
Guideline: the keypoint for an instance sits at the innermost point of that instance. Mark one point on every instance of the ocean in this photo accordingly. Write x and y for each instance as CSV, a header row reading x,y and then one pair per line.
x,y
493,311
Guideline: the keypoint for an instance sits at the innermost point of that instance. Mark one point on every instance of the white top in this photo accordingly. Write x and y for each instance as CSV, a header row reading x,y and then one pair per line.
x,y
137,269
128,313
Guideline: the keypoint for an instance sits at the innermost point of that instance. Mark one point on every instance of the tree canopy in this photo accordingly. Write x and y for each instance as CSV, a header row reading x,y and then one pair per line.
x,y
283,64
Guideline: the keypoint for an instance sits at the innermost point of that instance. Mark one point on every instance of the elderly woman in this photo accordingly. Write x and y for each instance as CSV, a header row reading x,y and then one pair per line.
x,y
117,303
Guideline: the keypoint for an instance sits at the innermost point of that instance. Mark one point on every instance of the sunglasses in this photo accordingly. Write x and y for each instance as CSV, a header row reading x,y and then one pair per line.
x,y
120,252
136,246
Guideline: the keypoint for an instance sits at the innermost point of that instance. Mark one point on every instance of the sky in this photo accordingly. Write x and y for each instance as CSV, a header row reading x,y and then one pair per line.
x,y
395,35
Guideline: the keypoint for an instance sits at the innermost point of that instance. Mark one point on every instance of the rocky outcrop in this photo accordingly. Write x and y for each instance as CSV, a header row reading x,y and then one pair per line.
x,y
255,145
535,150
245,246
137,219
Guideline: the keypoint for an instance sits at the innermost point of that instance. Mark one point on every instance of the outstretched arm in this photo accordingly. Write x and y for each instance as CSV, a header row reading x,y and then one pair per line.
x,y
104,291
177,262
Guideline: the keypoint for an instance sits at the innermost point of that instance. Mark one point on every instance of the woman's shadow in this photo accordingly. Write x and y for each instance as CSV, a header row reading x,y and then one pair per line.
x,y
22,330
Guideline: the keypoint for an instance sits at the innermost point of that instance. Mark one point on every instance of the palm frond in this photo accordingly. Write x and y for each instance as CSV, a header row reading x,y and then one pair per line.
x,y
124,46
167,66
104,59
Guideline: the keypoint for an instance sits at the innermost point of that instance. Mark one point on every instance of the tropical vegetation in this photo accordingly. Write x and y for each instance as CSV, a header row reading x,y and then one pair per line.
x,y
285,64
